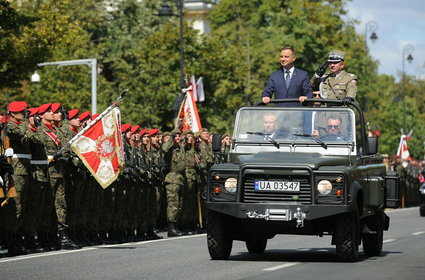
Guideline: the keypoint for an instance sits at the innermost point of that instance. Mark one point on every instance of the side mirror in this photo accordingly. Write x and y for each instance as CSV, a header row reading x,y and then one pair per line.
x,y
372,145
216,142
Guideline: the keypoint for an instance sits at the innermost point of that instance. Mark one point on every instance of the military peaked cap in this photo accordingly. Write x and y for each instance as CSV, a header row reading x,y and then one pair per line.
x,y
336,56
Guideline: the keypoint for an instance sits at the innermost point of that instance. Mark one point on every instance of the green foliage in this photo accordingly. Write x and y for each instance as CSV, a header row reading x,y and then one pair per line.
x,y
26,39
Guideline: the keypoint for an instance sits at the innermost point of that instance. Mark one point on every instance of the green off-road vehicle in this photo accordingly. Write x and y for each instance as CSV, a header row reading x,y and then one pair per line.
x,y
300,177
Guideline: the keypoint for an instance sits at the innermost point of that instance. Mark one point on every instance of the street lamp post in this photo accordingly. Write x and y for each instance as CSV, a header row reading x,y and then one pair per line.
x,y
371,26
91,62
407,50
166,11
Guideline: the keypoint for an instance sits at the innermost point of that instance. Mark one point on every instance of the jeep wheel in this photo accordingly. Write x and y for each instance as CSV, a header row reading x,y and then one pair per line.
x,y
422,211
218,237
347,236
256,245
372,241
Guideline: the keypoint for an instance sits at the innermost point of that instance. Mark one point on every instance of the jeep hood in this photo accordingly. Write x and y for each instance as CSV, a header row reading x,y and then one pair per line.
x,y
313,160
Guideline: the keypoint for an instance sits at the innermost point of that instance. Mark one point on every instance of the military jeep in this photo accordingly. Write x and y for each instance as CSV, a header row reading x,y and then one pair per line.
x,y
300,179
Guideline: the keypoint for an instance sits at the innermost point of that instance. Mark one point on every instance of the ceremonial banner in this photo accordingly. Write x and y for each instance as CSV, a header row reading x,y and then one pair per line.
x,y
402,151
188,117
101,148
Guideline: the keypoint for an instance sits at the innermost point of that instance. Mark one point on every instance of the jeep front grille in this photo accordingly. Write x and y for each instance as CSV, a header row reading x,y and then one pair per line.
x,y
250,195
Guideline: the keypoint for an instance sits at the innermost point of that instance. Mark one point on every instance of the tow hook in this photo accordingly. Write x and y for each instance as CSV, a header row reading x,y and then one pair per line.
x,y
299,216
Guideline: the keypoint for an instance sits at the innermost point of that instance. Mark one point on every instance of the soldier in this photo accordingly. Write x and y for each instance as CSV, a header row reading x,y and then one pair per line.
x,y
155,186
53,138
174,180
40,200
207,160
226,141
133,188
339,84
17,219
189,207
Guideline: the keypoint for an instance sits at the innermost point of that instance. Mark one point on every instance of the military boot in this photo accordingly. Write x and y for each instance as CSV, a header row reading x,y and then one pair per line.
x,y
173,230
14,245
65,242
33,244
152,235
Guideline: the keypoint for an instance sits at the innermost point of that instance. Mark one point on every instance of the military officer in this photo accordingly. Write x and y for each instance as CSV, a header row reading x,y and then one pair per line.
x,y
17,222
338,84
53,138
174,180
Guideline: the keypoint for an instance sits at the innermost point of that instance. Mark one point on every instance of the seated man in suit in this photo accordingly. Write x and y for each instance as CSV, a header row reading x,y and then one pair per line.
x,y
288,82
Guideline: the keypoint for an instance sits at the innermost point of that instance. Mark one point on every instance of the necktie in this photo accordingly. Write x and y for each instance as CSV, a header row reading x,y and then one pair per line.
x,y
288,78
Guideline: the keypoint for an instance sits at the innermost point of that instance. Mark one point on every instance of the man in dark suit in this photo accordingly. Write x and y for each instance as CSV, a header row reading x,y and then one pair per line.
x,y
288,82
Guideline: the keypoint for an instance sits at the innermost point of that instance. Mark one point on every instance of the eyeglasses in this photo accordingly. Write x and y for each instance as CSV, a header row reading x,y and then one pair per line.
x,y
333,126
318,94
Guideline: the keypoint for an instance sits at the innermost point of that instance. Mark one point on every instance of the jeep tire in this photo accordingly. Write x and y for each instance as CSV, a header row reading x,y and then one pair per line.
x,y
372,242
347,236
218,236
422,210
256,244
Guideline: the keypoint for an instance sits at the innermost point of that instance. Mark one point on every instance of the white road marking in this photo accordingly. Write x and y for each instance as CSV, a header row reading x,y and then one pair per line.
x,y
285,265
32,256
389,240
418,233
303,249
47,254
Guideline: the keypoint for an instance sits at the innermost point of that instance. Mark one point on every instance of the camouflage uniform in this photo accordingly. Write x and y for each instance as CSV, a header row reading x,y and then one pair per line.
x,y
190,201
19,142
207,160
174,180
41,192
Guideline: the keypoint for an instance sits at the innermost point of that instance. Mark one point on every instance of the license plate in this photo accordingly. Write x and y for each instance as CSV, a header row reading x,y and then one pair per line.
x,y
279,186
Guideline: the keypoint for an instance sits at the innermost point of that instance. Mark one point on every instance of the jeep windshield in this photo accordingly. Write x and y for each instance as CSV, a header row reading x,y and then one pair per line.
x,y
307,127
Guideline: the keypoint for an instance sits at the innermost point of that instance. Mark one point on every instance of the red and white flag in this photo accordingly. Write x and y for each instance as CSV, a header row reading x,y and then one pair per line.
x,y
197,89
402,151
101,148
188,117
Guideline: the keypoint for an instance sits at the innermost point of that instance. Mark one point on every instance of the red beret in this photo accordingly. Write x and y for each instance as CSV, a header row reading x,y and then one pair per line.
x,y
43,108
33,111
72,113
17,106
135,128
55,107
144,131
94,116
84,115
125,127
153,131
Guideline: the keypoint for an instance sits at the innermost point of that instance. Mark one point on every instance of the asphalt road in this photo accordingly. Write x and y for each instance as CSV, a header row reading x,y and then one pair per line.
x,y
286,257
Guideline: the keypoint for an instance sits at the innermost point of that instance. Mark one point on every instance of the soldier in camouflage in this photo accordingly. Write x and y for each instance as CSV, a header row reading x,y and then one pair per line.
x,y
174,180
339,84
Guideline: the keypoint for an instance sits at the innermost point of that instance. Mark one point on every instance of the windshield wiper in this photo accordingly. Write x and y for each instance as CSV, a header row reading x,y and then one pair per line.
x,y
267,136
323,144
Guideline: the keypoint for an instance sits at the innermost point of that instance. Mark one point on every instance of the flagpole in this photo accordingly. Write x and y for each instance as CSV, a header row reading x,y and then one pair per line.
x,y
75,138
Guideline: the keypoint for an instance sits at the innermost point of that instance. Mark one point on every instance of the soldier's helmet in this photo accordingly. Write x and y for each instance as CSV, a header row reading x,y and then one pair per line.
x,y
336,56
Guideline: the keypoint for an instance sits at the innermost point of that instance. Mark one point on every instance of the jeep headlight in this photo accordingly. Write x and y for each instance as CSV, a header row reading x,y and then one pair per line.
x,y
231,184
324,187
